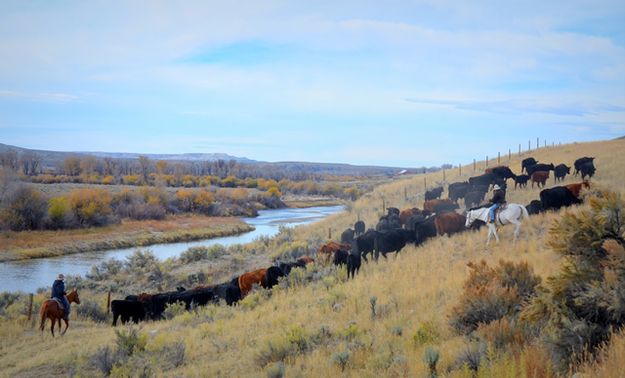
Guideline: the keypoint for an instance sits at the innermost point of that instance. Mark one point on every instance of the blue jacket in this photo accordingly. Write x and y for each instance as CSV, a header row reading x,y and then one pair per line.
x,y
58,289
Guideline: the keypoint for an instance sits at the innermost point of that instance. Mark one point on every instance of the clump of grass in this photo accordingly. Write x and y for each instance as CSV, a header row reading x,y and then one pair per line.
x,y
174,309
431,357
426,333
341,359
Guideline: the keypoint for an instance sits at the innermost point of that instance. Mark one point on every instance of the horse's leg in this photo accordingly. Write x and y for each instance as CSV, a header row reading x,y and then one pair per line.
x,y
43,320
53,321
66,325
490,231
517,228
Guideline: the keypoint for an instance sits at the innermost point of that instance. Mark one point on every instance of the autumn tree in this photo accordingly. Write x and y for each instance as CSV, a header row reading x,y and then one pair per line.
x,y
71,166
25,209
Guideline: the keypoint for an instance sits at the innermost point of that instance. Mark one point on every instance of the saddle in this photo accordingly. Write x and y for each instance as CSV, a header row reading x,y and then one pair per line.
x,y
59,302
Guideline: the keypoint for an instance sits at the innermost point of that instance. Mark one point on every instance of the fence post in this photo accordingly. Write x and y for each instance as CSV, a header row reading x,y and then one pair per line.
x,y
329,232
108,303
473,165
405,193
487,160
383,206
529,145
537,143
459,169
498,157
30,306
519,149
425,184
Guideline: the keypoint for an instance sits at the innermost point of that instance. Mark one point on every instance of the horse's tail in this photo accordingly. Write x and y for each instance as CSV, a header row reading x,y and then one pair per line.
x,y
42,312
525,214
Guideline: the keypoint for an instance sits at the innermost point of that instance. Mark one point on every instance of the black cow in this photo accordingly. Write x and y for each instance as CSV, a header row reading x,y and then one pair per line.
x,y
581,161
274,273
560,171
503,172
347,236
425,229
540,167
457,190
353,260
587,169
388,222
359,227
229,291
365,243
521,180
485,179
434,193
195,297
530,161
127,309
340,257
392,212
474,198
392,241
557,197
534,207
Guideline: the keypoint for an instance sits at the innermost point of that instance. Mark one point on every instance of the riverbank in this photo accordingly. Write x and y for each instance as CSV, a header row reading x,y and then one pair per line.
x,y
129,233
303,202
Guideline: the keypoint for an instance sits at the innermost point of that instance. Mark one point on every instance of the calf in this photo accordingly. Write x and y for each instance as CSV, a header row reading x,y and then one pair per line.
x,y
560,171
353,263
425,229
434,193
576,188
347,236
365,243
540,178
326,251
392,241
587,169
228,291
127,309
359,227
521,181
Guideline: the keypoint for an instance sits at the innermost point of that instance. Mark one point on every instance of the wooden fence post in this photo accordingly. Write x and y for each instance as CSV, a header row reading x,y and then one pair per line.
x,y
383,206
474,165
405,193
529,145
425,184
537,143
459,169
108,303
519,149
487,160
30,306
329,232
498,157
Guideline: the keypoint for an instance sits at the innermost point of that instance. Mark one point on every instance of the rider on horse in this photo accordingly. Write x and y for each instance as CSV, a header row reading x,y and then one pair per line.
x,y
58,292
499,198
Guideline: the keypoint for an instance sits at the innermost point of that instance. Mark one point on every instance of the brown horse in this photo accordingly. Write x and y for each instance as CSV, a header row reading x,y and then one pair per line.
x,y
50,309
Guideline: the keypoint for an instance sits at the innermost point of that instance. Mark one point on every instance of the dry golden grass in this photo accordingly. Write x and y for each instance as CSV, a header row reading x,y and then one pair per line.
x,y
129,233
414,290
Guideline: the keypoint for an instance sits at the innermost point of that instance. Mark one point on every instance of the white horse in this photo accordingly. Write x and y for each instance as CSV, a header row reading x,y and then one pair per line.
x,y
513,213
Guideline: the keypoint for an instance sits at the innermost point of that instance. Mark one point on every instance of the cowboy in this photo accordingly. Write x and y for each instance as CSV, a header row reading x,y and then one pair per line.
x,y
58,292
499,198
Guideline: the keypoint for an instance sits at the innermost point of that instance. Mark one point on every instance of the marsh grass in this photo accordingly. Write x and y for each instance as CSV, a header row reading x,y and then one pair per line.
x,y
415,290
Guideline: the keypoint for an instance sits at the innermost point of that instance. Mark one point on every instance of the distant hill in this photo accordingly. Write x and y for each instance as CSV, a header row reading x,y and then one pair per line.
x,y
55,158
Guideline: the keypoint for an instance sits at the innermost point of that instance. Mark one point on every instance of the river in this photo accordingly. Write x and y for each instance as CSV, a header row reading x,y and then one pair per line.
x,y
28,275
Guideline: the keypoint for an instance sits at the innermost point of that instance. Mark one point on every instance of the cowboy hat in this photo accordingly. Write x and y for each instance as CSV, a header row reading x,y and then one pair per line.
x,y
60,277
496,187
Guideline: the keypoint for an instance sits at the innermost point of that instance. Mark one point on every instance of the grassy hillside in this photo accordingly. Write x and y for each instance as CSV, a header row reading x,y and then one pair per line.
x,y
379,324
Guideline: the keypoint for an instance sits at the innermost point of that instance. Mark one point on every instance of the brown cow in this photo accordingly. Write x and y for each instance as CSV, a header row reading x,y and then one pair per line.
x,y
306,260
540,178
577,188
450,223
406,214
247,280
326,252
439,205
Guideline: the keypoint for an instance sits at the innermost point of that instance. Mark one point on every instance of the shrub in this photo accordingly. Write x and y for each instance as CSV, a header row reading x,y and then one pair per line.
x,y
130,341
582,304
425,333
341,359
203,201
174,309
184,198
493,293
59,213
275,370
91,207
90,309
104,359
108,180
431,357
25,209
173,355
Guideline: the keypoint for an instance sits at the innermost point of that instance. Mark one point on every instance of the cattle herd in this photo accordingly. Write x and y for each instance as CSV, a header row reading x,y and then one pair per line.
x,y
393,231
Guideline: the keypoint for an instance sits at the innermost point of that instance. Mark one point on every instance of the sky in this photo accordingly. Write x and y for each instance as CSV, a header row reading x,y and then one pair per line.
x,y
399,83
